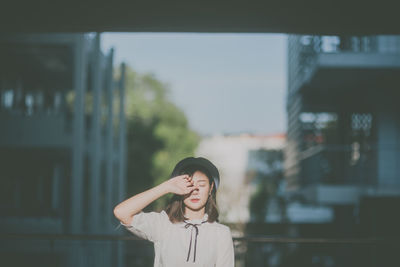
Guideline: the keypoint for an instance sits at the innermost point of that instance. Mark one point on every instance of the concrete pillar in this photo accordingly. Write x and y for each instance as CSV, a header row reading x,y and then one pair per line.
x,y
122,136
109,158
122,159
77,252
388,148
79,78
95,141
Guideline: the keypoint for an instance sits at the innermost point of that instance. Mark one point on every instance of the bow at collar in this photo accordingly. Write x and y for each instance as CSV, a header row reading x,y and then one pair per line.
x,y
194,226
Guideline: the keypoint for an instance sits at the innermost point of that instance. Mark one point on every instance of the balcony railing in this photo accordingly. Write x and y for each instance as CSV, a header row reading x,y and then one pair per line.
x,y
340,165
117,250
304,50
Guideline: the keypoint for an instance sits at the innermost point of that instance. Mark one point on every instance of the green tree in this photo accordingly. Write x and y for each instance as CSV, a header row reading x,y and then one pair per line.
x,y
158,134
267,181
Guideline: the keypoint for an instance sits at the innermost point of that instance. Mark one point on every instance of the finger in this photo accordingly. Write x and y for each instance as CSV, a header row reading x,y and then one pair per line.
x,y
189,190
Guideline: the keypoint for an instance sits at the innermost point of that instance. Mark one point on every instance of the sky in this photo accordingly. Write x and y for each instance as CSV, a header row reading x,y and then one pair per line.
x,y
225,83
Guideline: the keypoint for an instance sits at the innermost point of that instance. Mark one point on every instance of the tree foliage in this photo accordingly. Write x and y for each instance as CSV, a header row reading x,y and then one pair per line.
x,y
267,182
158,133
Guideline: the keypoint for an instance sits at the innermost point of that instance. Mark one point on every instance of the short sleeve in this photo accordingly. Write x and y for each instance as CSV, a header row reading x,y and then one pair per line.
x,y
148,225
226,254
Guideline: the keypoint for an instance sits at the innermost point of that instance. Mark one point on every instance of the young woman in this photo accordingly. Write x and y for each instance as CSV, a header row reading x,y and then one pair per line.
x,y
187,232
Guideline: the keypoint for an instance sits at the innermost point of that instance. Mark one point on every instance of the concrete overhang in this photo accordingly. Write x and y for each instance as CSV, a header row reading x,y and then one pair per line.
x,y
35,131
323,194
284,16
338,77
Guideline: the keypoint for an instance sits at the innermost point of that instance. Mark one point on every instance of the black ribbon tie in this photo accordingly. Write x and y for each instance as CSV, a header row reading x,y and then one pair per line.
x,y
194,226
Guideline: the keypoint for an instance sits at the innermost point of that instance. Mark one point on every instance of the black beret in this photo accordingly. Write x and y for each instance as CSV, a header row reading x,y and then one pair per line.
x,y
200,161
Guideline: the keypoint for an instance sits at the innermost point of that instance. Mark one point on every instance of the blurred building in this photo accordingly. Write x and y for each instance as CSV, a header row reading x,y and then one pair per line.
x,y
343,140
251,170
62,138
243,161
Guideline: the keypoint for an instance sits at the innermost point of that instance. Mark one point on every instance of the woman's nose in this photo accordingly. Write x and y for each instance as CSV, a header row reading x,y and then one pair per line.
x,y
196,188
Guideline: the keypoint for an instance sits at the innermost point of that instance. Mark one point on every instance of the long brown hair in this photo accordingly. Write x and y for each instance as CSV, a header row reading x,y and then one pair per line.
x,y
175,206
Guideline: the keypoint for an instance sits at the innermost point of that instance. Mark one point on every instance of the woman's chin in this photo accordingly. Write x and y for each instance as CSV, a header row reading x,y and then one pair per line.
x,y
194,207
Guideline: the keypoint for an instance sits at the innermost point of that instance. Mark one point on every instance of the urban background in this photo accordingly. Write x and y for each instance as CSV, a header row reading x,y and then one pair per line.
x,y
80,133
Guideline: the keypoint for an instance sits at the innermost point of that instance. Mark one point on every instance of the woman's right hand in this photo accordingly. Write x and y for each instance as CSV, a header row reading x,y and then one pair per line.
x,y
180,185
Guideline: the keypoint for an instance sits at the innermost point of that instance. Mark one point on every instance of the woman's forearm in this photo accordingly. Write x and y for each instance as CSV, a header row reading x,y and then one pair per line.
x,y
125,210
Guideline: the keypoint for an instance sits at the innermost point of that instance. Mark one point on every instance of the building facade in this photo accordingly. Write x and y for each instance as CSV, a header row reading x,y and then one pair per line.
x,y
244,161
343,141
62,146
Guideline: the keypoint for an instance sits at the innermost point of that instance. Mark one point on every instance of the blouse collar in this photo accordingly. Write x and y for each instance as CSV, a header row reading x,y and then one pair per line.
x,y
198,221
193,225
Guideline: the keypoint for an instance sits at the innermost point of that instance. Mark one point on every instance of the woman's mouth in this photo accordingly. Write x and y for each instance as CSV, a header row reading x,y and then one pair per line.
x,y
195,200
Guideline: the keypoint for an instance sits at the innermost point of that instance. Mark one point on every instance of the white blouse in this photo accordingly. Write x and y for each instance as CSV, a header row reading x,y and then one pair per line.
x,y
176,244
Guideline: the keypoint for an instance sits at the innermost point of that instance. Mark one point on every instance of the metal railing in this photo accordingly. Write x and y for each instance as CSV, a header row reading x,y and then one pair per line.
x,y
304,49
339,164
255,250
252,238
